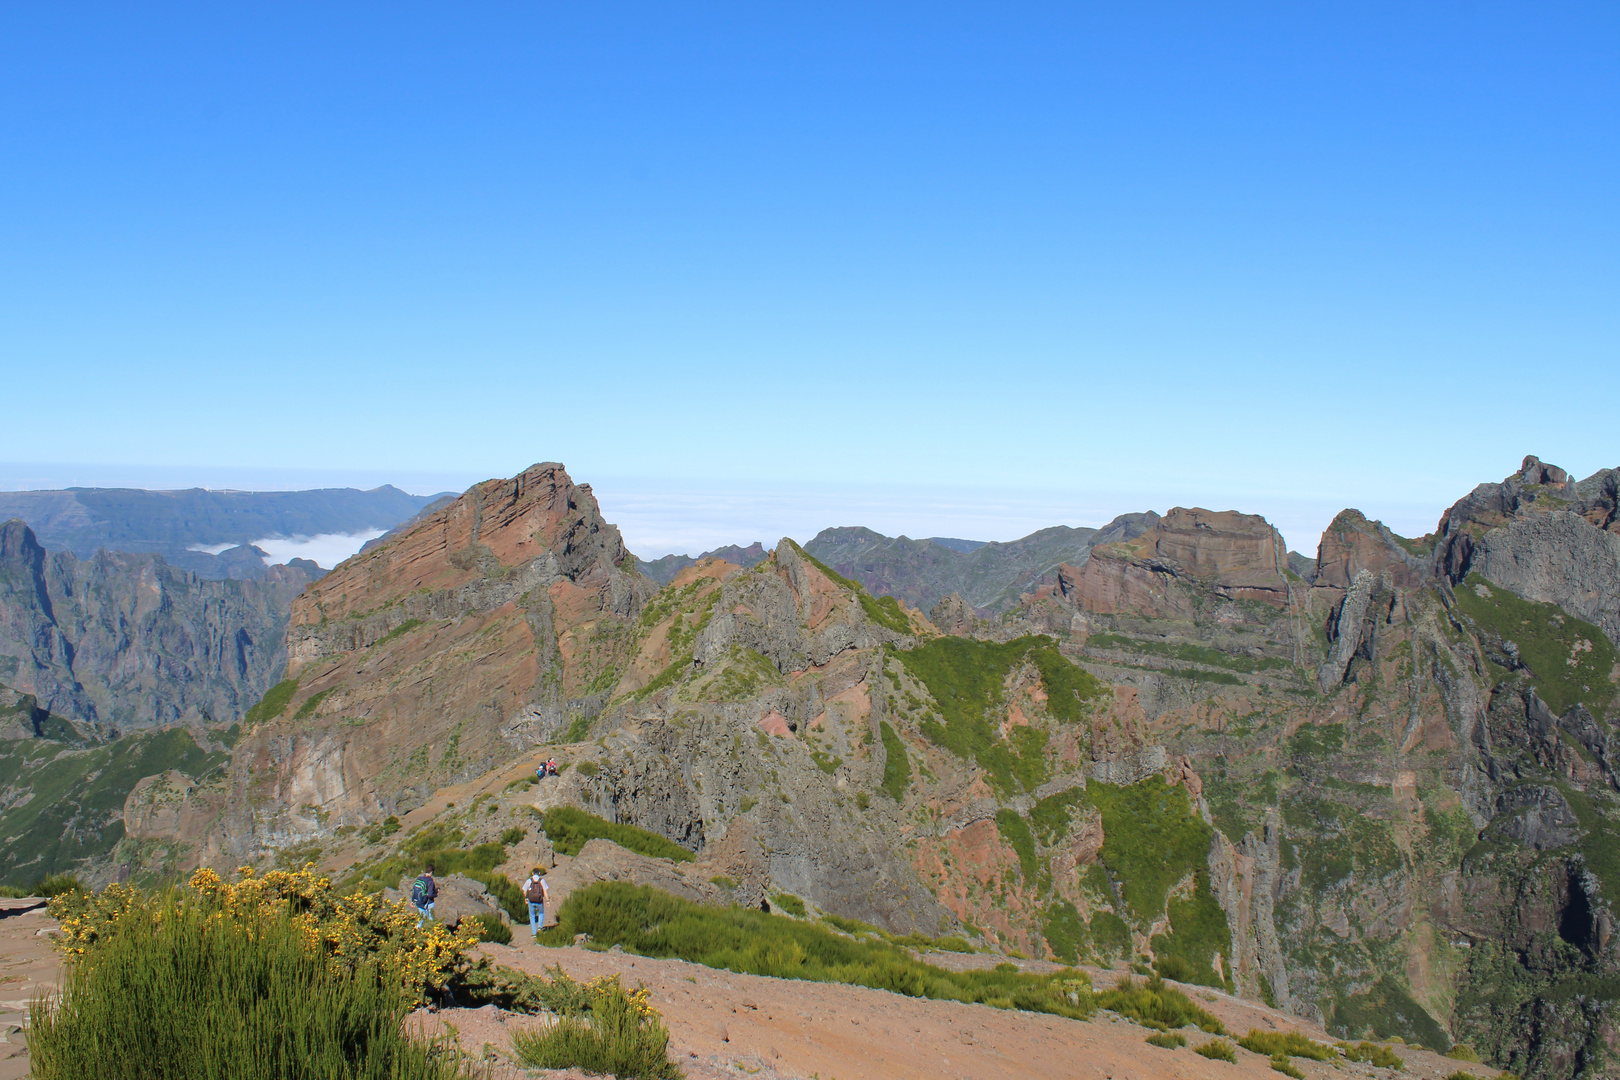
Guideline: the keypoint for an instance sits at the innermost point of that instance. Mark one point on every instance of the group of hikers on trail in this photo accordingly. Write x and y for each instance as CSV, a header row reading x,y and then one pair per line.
x,y
424,891
547,768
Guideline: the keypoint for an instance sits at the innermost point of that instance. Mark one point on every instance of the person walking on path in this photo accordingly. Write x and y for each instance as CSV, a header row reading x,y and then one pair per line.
x,y
536,893
423,892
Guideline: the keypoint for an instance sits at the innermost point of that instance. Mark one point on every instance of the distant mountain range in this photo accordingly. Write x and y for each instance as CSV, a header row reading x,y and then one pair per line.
x,y
988,576
174,524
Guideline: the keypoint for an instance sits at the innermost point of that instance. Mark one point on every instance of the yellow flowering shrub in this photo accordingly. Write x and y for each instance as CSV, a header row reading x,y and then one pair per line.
x,y
352,931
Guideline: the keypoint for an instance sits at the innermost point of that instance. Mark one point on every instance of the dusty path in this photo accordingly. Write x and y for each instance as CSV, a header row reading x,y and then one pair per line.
x,y
725,1024
28,966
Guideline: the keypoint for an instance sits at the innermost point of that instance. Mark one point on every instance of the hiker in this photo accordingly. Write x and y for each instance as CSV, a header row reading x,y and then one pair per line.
x,y
423,892
551,767
540,773
535,892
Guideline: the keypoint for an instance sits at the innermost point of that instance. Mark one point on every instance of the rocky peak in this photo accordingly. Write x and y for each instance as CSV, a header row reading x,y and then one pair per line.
x,y
1239,556
1352,543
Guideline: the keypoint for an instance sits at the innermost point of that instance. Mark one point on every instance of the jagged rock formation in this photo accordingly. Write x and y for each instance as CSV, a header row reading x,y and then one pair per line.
x,y
170,523
987,576
119,642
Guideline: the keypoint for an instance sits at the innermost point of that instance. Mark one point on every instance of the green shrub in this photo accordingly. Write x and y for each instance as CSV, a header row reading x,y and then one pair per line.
x,y
1463,1052
1217,1050
579,731
1173,967
12,892
1065,932
789,903
56,885
1015,830
186,996
569,829
896,766
652,923
492,928
1373,1054
513,836
620,1035
1287,1043
1170,1040
1110,936
1153,1004
1280,1063
1460,1075
586,768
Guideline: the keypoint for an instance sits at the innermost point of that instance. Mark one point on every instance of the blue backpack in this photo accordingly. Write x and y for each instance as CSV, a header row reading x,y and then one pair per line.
x,y
419,891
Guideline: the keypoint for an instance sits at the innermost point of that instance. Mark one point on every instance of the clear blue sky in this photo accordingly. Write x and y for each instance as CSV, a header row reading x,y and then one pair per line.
x,y
1135,253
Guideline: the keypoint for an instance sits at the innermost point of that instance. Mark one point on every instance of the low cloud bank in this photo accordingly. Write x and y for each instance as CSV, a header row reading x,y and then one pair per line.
x,y
325,550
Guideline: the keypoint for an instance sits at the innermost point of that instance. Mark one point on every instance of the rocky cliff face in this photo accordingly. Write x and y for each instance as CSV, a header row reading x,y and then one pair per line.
x,y
491,625
119,642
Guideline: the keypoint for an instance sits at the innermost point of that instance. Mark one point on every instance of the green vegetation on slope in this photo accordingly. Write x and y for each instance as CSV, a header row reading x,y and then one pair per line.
x,y
1384,1011
1015,830
569,829
1152,840
652,923
76,809
966,679
189,996
1156,1005
896,766
1569,660
273,704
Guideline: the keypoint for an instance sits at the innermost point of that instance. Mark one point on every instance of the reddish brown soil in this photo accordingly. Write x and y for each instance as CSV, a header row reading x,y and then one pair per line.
x,y
728,1025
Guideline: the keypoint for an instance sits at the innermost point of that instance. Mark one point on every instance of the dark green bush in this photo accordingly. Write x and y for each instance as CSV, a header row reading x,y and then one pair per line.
x,y
1170,1040
569,829
1280,1063
185,996
493,929
1373,1054
1287,1043
513,836
618,1036
1155,1005
652,923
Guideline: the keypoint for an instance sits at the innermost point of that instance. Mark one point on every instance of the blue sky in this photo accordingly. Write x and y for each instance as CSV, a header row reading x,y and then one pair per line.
x,y
748,268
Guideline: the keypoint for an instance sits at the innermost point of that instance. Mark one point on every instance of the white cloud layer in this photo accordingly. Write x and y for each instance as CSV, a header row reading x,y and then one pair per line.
x,y
324,549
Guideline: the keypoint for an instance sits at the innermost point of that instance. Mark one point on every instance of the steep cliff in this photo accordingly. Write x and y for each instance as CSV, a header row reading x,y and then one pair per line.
x,y
489,626
119,642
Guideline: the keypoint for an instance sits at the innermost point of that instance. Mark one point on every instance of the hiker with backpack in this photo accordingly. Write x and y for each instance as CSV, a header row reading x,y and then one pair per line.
x,y
536,893
423,892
